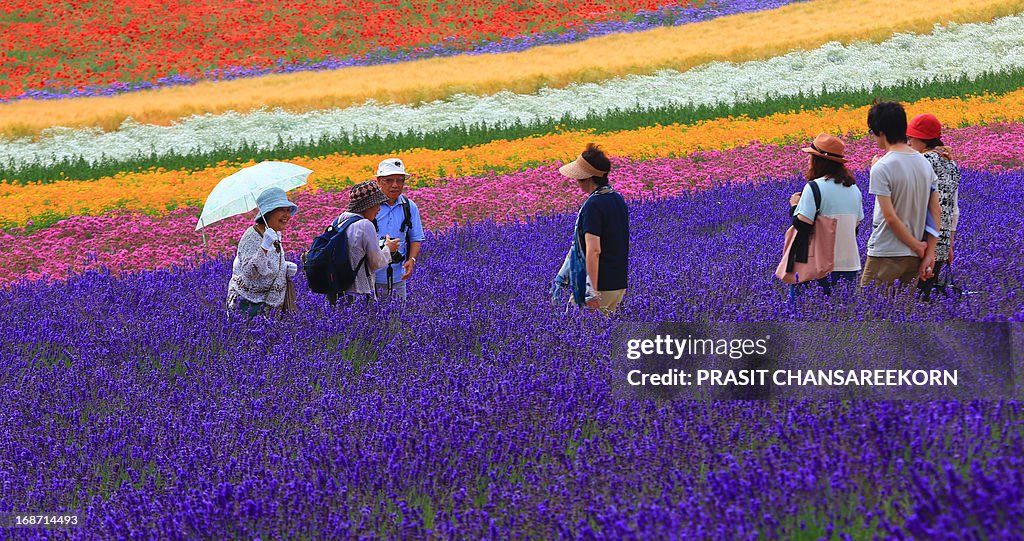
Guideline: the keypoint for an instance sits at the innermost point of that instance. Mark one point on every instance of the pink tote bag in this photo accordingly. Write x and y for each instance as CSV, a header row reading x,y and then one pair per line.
x,y
821,253
821,249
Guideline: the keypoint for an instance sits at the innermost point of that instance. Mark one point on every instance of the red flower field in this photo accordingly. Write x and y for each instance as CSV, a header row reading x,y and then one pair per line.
x,y
49,45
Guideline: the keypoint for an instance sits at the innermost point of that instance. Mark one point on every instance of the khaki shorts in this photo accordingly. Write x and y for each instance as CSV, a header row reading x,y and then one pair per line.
x,y
610,300
886,270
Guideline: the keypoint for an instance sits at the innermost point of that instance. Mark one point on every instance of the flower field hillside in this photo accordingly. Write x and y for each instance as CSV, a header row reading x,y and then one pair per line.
x,y
133,400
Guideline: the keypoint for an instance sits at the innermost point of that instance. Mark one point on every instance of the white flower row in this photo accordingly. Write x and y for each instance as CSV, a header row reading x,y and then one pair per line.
x,y
947,52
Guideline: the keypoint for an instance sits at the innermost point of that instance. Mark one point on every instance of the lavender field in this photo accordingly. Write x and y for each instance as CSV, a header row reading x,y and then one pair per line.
x,y
479,410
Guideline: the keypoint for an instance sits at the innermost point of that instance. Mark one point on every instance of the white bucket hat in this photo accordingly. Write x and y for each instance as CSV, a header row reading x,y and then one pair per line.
x,y
391,166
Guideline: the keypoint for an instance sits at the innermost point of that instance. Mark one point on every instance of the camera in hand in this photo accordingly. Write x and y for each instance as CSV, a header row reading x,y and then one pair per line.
x,y
396,256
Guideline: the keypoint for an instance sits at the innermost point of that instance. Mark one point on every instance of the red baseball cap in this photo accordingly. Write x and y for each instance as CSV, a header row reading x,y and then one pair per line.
x,y
924,127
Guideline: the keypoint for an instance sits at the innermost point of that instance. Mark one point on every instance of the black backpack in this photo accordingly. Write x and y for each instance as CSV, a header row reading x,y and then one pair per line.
x,y
326,264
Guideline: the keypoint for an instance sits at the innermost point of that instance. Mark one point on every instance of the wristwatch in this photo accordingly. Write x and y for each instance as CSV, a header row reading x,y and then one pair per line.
x,y
413,259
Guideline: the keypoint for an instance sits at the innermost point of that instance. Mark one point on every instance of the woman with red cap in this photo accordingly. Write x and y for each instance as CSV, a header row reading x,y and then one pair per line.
x,y
924,134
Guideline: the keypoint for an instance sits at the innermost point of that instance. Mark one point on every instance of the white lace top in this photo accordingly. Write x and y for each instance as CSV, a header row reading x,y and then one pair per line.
x,y
257,276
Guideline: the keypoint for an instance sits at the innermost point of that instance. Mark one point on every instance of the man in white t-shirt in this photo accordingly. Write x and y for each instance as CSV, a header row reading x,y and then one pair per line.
x,y
903,183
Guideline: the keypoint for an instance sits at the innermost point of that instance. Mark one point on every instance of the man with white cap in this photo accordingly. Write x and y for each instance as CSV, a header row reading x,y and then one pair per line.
x,y
398,218
597,263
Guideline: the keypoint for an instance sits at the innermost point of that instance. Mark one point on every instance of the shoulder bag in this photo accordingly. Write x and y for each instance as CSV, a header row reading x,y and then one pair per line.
x,y
821,248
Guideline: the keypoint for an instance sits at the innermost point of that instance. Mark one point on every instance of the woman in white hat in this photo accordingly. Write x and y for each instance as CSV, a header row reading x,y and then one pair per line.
x,y
260,275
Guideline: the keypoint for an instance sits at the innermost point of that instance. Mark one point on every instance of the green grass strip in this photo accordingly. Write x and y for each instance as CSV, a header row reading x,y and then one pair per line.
x,y
477,134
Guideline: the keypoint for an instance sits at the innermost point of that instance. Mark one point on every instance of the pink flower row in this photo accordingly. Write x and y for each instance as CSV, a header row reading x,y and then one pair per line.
x,y
124,241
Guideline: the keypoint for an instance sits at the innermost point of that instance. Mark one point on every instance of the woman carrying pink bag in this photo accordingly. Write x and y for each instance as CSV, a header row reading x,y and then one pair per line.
x,y
840,200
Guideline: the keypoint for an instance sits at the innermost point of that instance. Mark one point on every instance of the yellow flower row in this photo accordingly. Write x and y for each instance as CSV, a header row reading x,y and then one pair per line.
x,y
162,190
740,37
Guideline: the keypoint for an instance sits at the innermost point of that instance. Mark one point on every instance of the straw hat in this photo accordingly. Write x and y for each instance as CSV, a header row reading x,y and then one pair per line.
x,y
581,169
